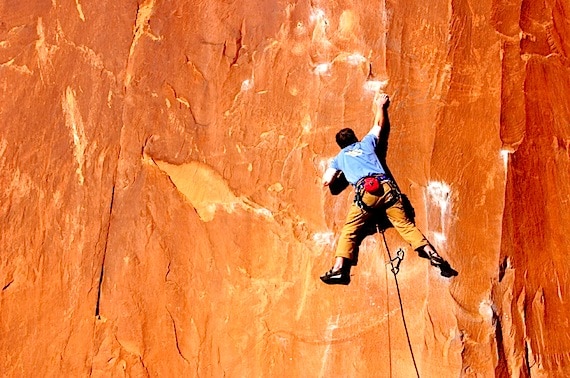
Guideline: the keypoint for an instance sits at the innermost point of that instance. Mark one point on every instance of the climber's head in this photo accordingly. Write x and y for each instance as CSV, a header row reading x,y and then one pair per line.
x,y
345,137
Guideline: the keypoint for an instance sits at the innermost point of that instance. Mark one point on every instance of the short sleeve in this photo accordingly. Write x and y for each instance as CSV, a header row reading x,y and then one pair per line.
x,y
369,142
334,164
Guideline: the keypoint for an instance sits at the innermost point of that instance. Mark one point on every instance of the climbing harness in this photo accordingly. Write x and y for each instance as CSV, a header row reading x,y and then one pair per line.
x,y
373,184
395,267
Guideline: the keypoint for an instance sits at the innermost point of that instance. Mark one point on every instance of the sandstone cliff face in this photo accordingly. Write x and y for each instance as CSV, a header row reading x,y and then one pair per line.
x,y
160,196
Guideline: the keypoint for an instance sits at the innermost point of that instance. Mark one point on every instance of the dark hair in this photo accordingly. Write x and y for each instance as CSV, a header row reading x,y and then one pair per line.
x,y
345,137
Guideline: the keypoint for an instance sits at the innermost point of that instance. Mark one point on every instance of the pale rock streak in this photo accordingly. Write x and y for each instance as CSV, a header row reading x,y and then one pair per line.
x,y
206,190
439,196
80,10
141,24
332,326
74,122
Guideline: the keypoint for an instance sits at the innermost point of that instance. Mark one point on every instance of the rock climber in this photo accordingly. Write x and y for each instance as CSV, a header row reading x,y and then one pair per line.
x,y
374,191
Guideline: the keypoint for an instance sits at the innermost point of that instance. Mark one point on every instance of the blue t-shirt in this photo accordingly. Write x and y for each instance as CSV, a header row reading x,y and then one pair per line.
x,y
358,160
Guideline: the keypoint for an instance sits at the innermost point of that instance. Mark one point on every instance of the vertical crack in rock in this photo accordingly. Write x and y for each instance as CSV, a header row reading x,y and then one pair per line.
x,y
232,51
176,337
145,368
527,354
97,306
521,307
7,285
501,367
167,271
100,284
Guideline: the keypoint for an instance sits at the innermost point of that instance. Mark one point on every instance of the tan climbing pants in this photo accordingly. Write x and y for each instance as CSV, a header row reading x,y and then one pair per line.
x,y
350,235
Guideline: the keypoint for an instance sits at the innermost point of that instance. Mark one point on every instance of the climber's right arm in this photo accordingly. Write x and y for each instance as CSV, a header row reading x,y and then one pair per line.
x,y
380,107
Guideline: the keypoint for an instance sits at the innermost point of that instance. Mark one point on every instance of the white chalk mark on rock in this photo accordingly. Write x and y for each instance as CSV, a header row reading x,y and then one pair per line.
x,y
486,310
355,59
439,237
317,15
323,238
439,196
332,326
247,85
324,164
505,156
264,212
439,193
323,69
74,122
375,85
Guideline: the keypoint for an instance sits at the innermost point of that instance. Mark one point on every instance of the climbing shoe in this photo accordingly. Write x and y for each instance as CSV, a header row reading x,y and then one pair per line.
x,y
436,260
446,270
336,277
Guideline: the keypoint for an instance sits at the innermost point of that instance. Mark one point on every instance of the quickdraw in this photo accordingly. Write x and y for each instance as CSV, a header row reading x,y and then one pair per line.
x,y
369,183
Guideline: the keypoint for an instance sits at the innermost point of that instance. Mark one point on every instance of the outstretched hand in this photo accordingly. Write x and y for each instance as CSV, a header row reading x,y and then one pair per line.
x,y
381,101
379,106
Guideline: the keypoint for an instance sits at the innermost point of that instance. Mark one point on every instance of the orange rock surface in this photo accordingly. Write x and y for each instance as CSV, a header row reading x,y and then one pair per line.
x,y
160,200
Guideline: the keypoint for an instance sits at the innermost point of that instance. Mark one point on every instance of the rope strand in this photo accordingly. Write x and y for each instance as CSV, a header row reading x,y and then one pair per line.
x,y
389,332
395,271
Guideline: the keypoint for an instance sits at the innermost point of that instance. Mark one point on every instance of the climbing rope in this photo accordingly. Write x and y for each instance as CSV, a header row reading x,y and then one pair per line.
x,y
389,328
395,264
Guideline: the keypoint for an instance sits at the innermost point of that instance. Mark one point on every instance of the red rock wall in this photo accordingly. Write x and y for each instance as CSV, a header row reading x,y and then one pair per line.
x,y
160,193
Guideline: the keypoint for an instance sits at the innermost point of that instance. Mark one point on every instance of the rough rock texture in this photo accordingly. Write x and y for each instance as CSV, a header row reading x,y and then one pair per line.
x,y
160,200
